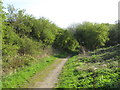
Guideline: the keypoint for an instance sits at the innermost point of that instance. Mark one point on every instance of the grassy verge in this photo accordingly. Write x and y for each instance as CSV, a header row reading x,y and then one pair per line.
x,y
99,70
23,75
40,76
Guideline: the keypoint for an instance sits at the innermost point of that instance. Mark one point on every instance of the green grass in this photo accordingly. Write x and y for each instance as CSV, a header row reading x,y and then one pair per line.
x,y
23,75
40,76
61,55
99,70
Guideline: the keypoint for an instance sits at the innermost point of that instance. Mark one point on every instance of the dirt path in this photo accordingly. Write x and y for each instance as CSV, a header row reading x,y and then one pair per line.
x,y
49,77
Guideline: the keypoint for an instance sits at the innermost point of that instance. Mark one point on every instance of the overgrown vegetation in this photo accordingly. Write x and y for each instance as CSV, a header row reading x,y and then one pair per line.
x,y
26,39
97,70
22,76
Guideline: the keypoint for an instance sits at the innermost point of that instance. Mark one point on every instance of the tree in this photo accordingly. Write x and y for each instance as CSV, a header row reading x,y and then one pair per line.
x,y
65,41
114,34
2,26
44,30
11,15
20,21
92,35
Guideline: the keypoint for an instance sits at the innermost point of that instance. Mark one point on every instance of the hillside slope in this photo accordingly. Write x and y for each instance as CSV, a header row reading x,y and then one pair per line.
x,y
99,69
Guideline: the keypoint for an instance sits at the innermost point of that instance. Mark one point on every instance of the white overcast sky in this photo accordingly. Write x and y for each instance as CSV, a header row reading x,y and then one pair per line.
x,y
66,12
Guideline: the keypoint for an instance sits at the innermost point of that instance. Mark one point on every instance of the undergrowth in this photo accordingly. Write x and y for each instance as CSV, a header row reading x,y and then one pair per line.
x,y
22,75
98,70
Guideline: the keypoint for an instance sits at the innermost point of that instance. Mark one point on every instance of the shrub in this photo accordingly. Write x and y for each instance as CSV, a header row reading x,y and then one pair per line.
x,y
28,46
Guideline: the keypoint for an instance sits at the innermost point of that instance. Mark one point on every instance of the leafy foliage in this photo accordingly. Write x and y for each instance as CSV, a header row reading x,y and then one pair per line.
x,y
65,41
24,35
10,41
25,39
114,34
95,71
92,35
28,46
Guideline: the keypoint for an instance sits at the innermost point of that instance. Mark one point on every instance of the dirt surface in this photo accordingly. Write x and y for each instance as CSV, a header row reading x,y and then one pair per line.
x,y
48,77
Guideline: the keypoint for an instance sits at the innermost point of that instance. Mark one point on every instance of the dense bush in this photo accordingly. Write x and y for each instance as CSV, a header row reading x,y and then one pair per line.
x,y
92,35
28,46
114,34
66,42
23,35
9,42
